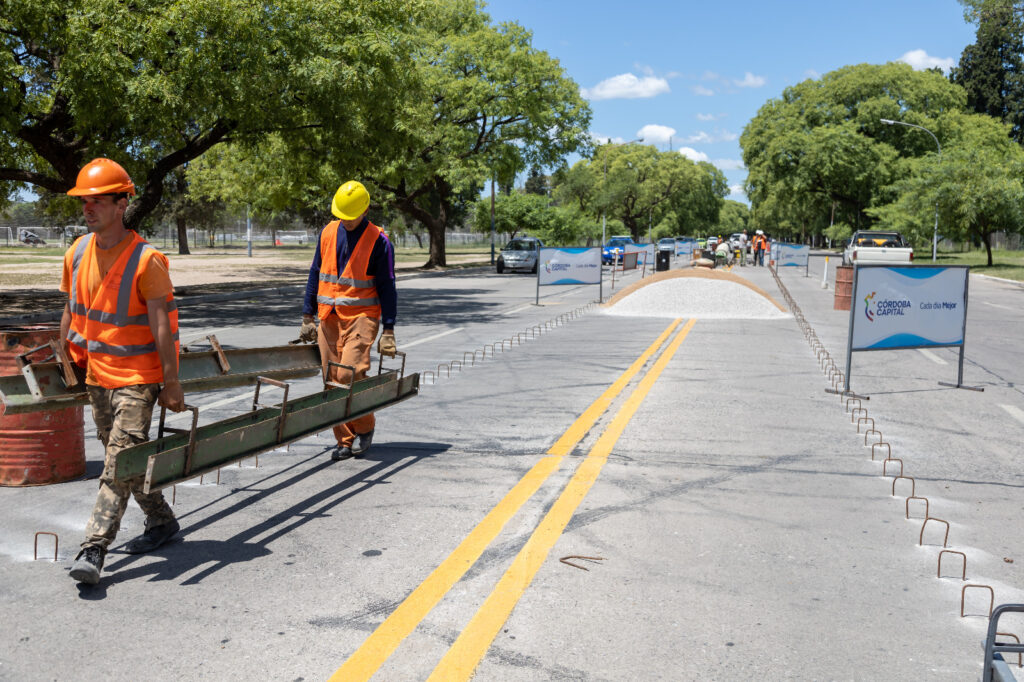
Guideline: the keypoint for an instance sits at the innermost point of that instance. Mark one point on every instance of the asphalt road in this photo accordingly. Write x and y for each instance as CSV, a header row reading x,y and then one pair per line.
x,y
743,530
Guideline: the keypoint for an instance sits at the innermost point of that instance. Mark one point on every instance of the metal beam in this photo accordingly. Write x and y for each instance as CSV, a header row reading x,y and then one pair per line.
x,y
41,386
190,453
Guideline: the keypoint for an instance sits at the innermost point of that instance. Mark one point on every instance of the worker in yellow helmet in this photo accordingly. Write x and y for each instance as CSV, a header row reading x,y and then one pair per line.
x,y
351,290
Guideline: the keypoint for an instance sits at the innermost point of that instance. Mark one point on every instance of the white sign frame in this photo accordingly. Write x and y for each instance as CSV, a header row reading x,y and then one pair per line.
x,y
574,259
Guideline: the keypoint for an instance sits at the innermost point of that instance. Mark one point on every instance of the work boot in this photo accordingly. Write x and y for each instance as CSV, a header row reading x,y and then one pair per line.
x,y
88,564
362,443
153,537
341,452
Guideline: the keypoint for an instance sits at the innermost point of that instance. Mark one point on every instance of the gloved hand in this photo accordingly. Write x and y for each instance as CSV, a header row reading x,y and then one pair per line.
x,y
307,333
386,345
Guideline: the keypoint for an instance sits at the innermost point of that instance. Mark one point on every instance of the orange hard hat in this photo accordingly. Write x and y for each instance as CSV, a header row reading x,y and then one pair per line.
x,y
102,176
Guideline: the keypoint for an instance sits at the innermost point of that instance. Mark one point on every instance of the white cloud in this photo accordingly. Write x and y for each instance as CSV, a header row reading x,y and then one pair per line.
x,y
750,81
703,137
706,117
921,60
626,86
693,154
736,191
655,134
811,73
709,76
728,164
702,91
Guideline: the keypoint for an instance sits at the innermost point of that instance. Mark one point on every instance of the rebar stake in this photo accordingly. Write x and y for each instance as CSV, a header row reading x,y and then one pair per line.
x,y
35,544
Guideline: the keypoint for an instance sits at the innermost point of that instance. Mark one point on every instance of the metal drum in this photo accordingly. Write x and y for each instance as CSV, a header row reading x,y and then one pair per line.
x,y
844,287
43,447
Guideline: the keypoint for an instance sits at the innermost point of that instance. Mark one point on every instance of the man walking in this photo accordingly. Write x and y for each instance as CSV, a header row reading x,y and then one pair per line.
x,y
121,324
760,245
351,289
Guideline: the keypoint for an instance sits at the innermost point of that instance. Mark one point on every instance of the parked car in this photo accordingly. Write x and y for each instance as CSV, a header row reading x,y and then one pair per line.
x,y
712,242
614,249
519,254
869,246
667,244
29,237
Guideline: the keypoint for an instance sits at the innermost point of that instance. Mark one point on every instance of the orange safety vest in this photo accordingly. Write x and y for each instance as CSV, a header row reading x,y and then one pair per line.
x,y
351,293
760,243
110,329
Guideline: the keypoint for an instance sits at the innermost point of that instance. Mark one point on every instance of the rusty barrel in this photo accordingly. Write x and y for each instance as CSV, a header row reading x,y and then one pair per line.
x,y
37,448
843,288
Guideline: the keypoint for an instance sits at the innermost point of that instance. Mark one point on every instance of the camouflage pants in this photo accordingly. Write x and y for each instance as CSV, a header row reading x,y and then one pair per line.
x,y
122,417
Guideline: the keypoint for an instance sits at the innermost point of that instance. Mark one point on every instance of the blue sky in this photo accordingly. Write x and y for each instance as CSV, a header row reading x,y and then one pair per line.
x,y
698,72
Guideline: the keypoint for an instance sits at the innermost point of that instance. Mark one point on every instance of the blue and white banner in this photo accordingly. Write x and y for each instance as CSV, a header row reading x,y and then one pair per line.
x,y
684,247
569,266
908,307
645,254
792,255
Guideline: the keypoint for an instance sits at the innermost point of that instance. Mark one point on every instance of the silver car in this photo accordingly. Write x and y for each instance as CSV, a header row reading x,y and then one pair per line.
x,y
519,254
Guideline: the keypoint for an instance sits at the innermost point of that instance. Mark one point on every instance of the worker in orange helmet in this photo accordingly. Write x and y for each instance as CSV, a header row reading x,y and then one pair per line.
x,y
351,290
121,324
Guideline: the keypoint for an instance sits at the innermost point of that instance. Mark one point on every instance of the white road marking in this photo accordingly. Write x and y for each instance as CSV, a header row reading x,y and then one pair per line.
x,y
525,307
1015,412
996,305
932,356
431,338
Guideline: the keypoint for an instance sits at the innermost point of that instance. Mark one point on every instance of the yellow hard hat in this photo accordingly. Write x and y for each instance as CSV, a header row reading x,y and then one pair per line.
x,y
350,201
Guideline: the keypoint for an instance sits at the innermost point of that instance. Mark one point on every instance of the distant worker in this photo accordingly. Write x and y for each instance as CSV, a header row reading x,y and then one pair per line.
x,y
121,324
351,289
722,253
759,246
743,247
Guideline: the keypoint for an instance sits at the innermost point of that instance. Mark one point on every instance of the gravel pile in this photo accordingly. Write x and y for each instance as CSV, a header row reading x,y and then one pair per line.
x,y
696,297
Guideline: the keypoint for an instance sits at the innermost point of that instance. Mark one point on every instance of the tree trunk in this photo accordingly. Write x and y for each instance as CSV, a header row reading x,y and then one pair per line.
x,y
182,236
987,238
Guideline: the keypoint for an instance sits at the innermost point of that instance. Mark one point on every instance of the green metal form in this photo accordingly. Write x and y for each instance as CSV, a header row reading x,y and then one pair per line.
x,y
56,385
199,450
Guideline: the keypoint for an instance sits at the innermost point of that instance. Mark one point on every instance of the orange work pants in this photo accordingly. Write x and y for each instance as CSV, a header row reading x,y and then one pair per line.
x,y
347,342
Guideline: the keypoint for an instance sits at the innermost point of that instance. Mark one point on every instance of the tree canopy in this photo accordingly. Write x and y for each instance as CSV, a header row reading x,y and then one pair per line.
x,y
640,186
154,86
820,151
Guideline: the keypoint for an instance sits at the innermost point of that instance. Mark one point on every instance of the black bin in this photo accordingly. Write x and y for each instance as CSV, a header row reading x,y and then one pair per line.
x,y
662,261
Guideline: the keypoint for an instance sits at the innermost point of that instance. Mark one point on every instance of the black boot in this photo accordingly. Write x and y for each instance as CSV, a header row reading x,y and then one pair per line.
x,y
152,538
362,443
88,564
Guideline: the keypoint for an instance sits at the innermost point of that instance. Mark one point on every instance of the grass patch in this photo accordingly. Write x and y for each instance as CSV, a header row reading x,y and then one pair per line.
x,y
1005,264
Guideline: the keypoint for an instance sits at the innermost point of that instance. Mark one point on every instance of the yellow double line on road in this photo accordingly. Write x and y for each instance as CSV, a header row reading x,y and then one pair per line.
x,y
472,644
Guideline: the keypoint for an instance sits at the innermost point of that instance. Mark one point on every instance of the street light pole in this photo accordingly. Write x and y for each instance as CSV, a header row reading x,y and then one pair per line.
x,y
935,232
492,219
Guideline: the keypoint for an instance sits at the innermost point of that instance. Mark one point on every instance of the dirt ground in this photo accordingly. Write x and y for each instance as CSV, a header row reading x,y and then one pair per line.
x,y
29,288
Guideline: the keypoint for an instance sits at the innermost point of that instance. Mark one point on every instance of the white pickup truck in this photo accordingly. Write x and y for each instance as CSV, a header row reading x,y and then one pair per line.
x,y
868,247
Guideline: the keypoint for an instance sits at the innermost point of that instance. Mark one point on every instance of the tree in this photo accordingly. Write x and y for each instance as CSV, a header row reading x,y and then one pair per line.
x,y
157,84
733,217
820,154
483,100
991,70
536,182
976,185
642,186
531,214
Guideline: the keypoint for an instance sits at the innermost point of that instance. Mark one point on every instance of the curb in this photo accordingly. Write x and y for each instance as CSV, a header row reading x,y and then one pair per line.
x,y
289,290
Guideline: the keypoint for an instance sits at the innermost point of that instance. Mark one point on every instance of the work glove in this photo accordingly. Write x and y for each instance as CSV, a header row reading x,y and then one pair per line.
x,y
386,345
307,333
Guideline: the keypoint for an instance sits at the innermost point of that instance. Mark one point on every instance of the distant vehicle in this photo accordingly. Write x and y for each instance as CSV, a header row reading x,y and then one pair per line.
x,y
615,248
712,242
29,237
735,239
868,247
519,254
667,244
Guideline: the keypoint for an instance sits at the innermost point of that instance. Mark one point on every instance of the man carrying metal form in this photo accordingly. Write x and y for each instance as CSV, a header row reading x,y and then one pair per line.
x,y
121,324
351,289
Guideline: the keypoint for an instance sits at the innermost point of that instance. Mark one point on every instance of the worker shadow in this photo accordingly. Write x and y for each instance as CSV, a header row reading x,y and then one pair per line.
x,y
179,558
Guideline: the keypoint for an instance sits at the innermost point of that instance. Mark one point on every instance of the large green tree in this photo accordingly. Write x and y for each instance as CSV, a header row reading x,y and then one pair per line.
x,y
640,186
155,85
532,214
976,185
820,153
991,70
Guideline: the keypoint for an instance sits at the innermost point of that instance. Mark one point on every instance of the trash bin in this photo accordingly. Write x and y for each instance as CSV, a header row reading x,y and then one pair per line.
x,y
663,260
